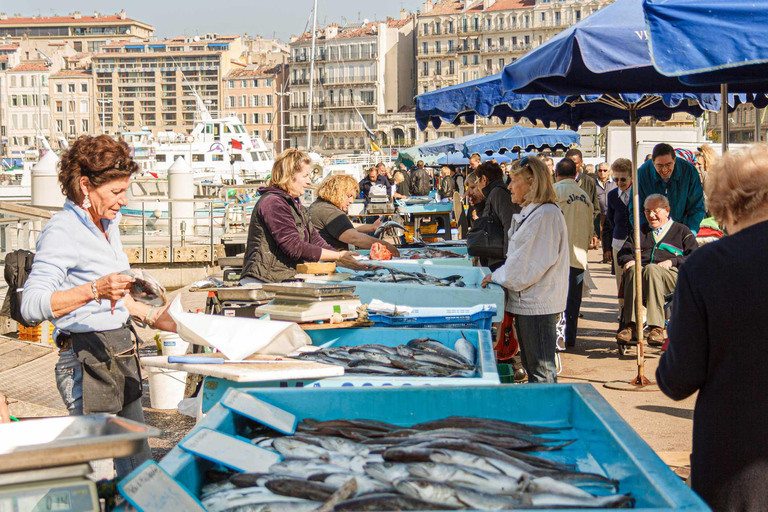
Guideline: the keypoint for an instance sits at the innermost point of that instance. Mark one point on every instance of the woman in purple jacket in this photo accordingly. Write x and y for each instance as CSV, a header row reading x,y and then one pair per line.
x,y
281,235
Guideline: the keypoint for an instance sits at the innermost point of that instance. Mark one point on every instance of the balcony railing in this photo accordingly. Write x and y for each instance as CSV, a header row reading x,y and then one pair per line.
x,y
305,81
303,127
351,103
351,79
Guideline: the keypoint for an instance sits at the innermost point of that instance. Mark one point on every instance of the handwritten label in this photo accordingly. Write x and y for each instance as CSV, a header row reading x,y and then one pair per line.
x,y
258,410
151,489
229,451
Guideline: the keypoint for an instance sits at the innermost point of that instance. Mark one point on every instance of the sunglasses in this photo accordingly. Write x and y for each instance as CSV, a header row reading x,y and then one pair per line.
x,y
623,180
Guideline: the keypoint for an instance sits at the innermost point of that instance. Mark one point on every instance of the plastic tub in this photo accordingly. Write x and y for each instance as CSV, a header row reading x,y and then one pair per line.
x,y
166,387
172,344
604,442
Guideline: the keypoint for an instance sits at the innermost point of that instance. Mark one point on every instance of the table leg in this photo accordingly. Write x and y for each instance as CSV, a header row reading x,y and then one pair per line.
x,y
417,227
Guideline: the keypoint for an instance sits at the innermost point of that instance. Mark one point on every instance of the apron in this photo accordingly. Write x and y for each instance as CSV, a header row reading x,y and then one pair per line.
x,y
111,372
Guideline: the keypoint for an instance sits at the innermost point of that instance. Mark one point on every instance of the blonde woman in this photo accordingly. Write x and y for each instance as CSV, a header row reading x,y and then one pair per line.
x,y
535,273
281,235
329,215
705,160
717,338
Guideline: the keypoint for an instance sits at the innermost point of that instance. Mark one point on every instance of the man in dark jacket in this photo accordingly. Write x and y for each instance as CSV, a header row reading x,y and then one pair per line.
x,y
664,244
373,178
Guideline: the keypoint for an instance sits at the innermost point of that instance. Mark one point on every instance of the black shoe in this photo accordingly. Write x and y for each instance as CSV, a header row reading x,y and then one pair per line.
x,y
570,344
521,375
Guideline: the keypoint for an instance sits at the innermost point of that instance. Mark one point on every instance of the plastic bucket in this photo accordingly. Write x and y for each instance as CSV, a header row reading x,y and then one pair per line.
x,y
166,387
172,344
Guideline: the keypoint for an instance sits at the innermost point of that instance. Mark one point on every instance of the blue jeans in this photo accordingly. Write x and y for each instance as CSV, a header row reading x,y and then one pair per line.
x,y
573,305
69,381
537,336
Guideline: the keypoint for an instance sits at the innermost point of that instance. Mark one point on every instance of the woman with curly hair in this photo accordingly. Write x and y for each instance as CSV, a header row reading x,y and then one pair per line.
x,y
329,216
77,283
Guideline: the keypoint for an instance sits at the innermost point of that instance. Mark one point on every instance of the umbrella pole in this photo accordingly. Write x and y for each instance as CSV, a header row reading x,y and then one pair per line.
x,y
724,117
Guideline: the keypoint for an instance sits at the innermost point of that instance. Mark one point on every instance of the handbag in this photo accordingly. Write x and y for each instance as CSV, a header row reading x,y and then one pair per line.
x,y
486,238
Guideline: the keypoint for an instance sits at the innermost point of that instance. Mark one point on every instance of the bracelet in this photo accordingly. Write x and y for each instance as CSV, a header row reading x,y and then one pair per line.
x,y
94,290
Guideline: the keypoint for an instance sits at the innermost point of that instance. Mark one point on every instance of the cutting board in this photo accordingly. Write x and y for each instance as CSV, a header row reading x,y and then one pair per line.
x,y
251,372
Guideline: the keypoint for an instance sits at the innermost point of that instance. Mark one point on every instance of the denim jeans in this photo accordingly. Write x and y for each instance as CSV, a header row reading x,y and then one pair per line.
x,y
573,305
69,380
537,335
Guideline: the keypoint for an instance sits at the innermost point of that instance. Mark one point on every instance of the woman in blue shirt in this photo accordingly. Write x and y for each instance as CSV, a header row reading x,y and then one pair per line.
x,y
76,283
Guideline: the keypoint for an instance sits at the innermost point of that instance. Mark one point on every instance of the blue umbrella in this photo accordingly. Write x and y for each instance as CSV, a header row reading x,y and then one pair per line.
x,y
453,159
523,138
709,41
447,146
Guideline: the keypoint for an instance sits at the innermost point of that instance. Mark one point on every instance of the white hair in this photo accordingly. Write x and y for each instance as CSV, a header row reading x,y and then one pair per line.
x,y
656,197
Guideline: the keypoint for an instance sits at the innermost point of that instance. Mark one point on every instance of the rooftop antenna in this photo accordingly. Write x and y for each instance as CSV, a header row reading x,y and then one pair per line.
x,y
358,16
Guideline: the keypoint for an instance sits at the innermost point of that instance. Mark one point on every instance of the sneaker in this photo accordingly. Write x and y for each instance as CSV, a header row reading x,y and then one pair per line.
x,y
627,335
656,337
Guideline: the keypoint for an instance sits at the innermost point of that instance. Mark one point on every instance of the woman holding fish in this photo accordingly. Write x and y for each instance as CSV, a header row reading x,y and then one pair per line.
x,y
535,273
80,281
281,235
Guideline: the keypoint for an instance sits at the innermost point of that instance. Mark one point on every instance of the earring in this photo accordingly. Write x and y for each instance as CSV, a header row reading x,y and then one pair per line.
x,y
86,202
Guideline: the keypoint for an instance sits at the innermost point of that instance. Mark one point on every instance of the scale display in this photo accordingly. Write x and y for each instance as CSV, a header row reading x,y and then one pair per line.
x,y
73,495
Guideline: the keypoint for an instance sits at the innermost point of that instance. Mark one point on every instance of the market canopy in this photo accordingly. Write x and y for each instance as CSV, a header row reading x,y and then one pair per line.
x,y
709,41
522,138
412,155
446,146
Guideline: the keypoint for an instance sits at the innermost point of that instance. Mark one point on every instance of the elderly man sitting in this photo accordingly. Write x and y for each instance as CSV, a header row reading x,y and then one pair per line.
x,y
665,244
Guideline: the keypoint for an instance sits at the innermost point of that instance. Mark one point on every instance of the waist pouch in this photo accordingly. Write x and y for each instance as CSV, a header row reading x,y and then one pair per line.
x,y
111,372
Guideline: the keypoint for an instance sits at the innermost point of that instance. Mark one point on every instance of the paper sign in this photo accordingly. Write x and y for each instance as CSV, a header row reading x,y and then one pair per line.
x,y
230,451
151,489
238,337
258,410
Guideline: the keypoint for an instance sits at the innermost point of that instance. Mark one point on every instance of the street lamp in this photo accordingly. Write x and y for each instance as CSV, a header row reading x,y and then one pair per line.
x,y
103,102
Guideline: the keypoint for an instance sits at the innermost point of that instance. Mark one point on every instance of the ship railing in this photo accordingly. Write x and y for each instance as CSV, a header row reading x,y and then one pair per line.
x,y
20,226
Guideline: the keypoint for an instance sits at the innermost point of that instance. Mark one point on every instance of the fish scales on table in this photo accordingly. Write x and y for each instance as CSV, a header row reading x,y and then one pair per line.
x,y
386,274
446,464
423,357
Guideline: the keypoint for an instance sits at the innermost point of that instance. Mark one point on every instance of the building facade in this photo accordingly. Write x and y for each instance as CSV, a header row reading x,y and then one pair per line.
x,y
86,33
150,84
72,105
362,71
27,98
462,40
266,52
254,95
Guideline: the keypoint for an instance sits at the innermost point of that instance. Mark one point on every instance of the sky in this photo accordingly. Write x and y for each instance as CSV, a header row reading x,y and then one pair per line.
x,y
267,18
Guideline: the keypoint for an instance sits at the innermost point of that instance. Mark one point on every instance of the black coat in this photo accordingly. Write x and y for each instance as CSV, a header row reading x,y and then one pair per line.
x,y
676,245
718,346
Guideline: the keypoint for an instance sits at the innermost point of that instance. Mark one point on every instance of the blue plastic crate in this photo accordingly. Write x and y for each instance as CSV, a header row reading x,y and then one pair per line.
x,y
455,318
604,442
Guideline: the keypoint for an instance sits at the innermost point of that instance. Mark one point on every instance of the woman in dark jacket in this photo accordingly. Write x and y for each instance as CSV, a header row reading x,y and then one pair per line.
x,y
717,339
281,235
490,179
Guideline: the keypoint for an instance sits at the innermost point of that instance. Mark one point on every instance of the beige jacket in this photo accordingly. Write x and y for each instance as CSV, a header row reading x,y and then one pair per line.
x,y
578,210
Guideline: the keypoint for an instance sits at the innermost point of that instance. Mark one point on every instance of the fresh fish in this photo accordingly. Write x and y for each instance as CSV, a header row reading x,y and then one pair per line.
x,y
299,488
437,347
466,350
560,501
483,481
365,484
304,468
387,501
386,472
390,224
244,480
354,464
291,448
498,425
344,446
441,360
478,462
457,496
146,289
548,485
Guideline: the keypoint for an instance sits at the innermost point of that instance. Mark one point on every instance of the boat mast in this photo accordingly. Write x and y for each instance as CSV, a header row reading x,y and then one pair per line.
x,y
312,76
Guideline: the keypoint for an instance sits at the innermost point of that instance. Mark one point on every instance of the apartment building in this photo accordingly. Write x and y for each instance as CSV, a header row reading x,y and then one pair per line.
x,y
362,71
72,105
85,32
27,100
254,96
746,124
151,84
266,52
462,40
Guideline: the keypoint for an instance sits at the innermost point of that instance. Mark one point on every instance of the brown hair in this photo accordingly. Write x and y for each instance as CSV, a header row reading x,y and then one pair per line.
x,y
101,159
542,190
286,166
336,187
737,185
490,170
622,165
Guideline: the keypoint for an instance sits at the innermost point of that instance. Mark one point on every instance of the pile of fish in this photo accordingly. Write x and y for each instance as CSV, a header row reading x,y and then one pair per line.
x,y
146,288
388,274
422,357
449,464
428,252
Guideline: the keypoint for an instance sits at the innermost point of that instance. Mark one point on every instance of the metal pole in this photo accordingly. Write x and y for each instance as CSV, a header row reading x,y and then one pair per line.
x,y
757,125
143,234
312,75
210,212
724,116
640,380
170,229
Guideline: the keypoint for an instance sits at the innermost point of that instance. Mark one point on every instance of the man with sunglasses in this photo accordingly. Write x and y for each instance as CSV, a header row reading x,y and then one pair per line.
x,y
605,184
678,181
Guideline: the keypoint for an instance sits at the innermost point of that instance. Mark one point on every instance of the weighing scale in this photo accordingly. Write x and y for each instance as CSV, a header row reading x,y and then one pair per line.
x,y
378,201
44,463
310,302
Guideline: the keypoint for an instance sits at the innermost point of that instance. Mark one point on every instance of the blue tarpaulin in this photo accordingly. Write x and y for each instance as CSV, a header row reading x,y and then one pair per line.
x,y
522,138
709,41
447,146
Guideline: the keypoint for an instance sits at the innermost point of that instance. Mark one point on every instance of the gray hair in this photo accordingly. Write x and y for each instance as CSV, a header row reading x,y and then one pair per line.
x,y
656,197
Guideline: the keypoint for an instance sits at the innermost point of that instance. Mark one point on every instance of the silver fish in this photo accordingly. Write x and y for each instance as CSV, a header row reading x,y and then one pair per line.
x,y
475,461
344,446
483,481
355,464
387,472
292,449
365,484
466,349
439,493
305,468
558,500
146,289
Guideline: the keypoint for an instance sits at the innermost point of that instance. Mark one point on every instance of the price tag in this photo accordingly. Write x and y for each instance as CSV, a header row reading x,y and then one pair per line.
x,y
151,489
258,410
230,451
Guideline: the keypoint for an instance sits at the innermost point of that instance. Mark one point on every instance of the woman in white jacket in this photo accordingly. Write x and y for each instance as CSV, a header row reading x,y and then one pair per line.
x,y
535,273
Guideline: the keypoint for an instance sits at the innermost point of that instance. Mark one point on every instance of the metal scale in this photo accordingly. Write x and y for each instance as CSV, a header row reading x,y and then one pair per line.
x,y
44,464
378,201
310,302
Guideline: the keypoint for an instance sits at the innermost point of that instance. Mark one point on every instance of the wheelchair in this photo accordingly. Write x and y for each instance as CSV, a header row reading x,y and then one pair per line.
x,y
625,346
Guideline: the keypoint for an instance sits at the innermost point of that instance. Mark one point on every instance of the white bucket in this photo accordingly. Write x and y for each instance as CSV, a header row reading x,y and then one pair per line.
x,y
172,344
166,387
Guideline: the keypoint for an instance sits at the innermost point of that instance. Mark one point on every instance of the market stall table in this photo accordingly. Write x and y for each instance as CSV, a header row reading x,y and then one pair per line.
x,y
441,211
